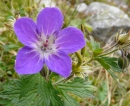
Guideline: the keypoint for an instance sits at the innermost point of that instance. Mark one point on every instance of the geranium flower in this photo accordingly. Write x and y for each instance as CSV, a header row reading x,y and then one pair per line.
x,y
46,43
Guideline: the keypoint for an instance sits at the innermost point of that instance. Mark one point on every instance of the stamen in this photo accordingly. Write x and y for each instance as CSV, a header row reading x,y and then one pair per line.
x,y
57,47
49,48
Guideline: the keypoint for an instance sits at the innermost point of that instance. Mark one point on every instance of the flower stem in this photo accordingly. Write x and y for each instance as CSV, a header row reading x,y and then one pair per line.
x,y
28,2
87,62
63,80
59,81
109,52
79,59
111,47
83,51
71,76
114,50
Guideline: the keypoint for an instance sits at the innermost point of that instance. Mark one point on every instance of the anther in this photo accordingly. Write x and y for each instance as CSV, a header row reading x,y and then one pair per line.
x,y
57,47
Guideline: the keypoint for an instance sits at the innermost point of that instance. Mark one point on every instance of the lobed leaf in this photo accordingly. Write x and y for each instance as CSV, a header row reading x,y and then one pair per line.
x,y
79,87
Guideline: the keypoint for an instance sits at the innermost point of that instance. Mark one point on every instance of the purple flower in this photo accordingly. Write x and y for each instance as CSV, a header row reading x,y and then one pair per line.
x,y
46,44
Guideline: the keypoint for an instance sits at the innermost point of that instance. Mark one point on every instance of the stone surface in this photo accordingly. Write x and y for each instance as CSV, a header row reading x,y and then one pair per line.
x,y
106,20
81,7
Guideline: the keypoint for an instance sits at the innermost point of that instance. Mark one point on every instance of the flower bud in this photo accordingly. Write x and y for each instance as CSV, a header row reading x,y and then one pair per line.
x,y
45,72
122,38
123,62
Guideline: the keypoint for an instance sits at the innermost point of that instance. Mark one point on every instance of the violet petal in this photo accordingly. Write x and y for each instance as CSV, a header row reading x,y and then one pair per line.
x,y
59,63
49,20
25,29
70,40
28,61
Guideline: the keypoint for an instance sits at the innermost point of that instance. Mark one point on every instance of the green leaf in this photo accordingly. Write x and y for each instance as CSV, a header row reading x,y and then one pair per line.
x,y
109,63
102,91
98,51
48,93
79,87
32,90
103,63
68,100
28,84
89,45
4,102
94,46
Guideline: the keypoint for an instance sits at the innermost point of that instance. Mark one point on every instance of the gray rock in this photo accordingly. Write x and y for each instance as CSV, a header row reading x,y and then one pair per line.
x,y
106,20
81,7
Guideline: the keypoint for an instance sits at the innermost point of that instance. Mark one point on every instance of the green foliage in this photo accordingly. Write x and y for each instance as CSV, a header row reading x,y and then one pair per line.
x,y
109,63
30,90
68,100
94,46
7,54
102,92
48,93
80,87
34,90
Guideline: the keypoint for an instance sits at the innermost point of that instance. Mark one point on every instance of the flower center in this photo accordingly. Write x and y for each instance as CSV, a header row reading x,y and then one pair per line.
x,y
46,46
